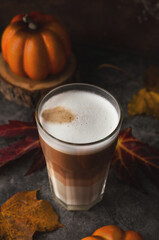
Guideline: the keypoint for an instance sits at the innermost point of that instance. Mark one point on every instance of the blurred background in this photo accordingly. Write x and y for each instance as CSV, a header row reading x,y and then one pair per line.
x,y
131,26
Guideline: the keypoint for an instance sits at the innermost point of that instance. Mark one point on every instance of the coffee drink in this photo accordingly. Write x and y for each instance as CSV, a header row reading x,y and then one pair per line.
x,y
78,131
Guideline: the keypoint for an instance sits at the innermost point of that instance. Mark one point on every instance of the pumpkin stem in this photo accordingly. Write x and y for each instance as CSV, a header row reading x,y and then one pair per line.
x,y
30,22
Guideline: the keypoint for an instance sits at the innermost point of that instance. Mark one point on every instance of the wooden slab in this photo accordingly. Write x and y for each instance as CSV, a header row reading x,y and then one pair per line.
x,y
26,91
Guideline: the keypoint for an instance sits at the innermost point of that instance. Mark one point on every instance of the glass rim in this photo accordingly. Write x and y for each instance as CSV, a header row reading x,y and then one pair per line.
x,y
70,143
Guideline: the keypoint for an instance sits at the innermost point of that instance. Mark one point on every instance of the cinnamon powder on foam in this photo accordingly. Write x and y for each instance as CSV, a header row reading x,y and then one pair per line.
x,y
58,114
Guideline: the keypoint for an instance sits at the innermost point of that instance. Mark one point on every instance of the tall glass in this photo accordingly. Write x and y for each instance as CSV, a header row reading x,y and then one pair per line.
x,y
78,171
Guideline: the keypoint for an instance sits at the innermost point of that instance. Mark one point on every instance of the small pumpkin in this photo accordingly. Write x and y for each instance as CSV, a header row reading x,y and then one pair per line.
x,y
112,232
35,45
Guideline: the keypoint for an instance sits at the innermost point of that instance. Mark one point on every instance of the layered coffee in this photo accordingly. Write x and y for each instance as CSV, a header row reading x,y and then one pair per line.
x,y
78,136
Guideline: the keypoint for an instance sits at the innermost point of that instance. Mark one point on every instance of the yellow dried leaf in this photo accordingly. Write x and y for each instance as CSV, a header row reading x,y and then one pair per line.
x,y
144,102
22,215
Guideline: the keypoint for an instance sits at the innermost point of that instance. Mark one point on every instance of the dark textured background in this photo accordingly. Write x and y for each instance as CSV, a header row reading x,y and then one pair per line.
x,y
122,205
97,27
119,24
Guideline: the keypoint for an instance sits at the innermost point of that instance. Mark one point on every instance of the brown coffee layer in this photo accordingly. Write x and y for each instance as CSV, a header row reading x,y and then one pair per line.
x,y
75,169
84,180
58,114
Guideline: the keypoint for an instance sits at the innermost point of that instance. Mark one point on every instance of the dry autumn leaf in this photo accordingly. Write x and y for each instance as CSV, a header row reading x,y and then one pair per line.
x,y
105,65
22,215
146,100
29,141
131,155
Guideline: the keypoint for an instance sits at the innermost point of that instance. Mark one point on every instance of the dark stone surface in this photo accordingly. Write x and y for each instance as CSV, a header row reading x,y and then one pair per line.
x,y
122,205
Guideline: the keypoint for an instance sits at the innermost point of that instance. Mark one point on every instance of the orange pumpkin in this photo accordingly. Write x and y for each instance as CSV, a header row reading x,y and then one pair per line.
x,y
35,45
112,232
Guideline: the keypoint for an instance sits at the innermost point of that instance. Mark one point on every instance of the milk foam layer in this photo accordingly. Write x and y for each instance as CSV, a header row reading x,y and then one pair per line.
x,y
95,117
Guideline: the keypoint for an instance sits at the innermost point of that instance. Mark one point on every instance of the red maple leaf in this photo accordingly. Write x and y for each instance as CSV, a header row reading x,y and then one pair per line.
x,y
131,156
29,140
